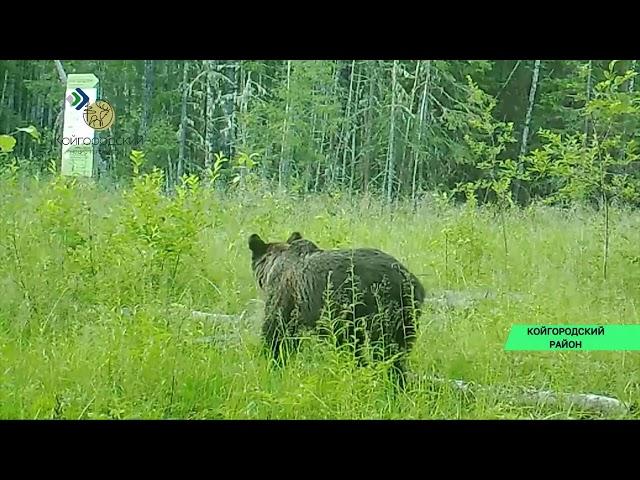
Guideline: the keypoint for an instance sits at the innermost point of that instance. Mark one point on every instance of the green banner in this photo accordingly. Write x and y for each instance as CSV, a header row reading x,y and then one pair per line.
x,y
574,337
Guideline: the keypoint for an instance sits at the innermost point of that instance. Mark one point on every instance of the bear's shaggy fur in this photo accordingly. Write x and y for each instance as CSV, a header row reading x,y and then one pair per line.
x,y
376,297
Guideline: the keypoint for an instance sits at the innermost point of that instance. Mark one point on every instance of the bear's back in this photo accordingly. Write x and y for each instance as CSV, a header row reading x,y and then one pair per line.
x,y
371,269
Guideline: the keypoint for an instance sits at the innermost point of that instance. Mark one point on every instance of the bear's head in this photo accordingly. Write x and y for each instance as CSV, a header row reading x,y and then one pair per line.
x,y
264,255
259,248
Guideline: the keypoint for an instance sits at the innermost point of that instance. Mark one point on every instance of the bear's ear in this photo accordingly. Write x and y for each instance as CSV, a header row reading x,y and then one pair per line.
x,y
257,245
294,236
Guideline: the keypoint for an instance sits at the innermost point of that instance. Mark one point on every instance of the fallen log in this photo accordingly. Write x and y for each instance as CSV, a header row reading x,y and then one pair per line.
x,y
219,318
545,398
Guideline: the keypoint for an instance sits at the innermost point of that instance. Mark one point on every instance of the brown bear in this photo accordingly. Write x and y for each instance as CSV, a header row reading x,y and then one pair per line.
x,y
370,294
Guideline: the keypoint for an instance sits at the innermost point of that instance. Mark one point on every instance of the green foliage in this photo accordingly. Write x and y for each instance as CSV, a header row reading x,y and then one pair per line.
x,y
215,172
487,141
88,329
160,143
325,126
137,160
464,245
7,142
93,278
311,108
32,131
600,165
162,230
244,166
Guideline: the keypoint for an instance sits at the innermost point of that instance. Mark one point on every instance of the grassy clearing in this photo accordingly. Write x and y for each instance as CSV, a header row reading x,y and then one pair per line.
x,y
88,277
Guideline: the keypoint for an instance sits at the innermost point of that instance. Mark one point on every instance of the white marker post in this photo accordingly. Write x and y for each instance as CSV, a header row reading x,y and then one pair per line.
x,y
78,138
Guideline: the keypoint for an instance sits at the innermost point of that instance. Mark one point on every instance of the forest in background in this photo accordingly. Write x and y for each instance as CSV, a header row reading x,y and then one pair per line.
x,y
504,130
140,302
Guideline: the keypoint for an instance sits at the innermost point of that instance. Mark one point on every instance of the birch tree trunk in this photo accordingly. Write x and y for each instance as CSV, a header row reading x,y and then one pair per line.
x,y
334,141
228,104
282,169
183,121
366,164
423,108
359,89
527,122
62,75
405,166
589,86
392,131
146,97
347,124
209,131
4,88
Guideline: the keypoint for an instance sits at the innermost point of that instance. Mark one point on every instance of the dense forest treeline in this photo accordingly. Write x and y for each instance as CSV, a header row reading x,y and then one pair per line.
x,y
505,130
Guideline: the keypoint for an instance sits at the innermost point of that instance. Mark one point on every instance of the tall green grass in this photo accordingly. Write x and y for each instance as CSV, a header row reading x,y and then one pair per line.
x,y
89,276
